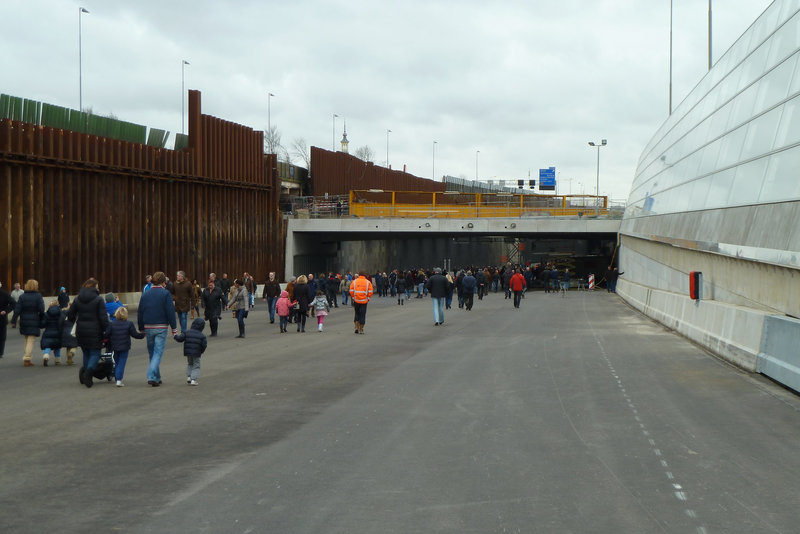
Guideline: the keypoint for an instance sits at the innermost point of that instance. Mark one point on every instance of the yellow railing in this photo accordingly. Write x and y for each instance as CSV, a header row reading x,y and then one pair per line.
x,y
464,205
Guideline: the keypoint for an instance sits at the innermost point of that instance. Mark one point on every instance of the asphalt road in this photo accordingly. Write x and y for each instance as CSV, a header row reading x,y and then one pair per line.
x,y
570,414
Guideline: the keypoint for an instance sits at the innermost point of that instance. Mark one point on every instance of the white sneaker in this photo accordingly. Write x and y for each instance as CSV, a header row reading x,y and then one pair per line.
x,y
188,380
120,384
194,383
320,328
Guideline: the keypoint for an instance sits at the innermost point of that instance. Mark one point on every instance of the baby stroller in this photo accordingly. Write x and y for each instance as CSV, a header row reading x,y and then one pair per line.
x,y
104,368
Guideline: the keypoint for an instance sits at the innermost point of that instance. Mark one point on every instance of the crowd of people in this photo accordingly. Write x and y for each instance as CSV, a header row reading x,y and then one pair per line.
x,y
99,323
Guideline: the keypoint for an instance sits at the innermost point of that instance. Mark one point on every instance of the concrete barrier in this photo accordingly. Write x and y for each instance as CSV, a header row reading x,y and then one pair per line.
x,y
734,333
779,357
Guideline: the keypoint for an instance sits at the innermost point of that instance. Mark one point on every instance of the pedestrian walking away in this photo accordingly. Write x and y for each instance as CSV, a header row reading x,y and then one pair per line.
x,y
320,308
119,333
50,342
438,286
468,287
88,311
29,312
516,285
194,345
156,315
283,307
6,307
361,291
303,297
239,302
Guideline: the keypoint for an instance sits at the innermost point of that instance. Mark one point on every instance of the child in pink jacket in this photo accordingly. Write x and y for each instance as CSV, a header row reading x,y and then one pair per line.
x,y
284,307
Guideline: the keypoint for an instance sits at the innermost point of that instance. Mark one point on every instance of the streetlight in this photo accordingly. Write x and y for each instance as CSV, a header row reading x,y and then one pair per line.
x,y
387,148
333,133
80,60
183,92
269,113
433,171
602,143
476,164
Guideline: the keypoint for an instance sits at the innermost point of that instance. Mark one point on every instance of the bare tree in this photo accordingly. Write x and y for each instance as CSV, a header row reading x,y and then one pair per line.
x,y
364,153
272,141
300,151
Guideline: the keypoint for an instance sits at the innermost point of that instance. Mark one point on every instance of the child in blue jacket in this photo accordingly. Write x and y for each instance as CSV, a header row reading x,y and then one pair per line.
x,y
119,334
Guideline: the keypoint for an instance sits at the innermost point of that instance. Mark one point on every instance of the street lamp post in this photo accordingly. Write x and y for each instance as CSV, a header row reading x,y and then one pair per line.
x,y
602,143
433,170
269,114
333,133
476,164
387,148
183,92
81,10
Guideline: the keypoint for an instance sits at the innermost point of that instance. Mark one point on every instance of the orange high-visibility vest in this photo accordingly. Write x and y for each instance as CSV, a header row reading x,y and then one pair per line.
x,y
361,290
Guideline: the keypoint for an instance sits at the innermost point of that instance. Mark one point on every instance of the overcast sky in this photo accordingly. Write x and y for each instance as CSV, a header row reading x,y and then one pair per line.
x,y
526,82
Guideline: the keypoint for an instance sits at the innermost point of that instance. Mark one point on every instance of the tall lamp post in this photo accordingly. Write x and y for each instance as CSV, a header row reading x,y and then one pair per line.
x,y
476,164
333,133
433,170
183,92
387,148
602,143
81,10
269,114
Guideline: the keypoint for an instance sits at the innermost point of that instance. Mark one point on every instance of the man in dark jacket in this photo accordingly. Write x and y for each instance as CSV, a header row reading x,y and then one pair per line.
x,y
89,310
6,307
468,286
182,295
194,345
438,286
213,302
272,290
155,315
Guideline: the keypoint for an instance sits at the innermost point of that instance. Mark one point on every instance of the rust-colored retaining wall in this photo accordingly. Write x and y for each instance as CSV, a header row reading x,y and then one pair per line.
x,y
337,173
79,205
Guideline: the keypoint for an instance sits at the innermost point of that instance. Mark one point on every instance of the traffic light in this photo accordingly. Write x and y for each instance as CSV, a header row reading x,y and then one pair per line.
x,y
520,184
532,184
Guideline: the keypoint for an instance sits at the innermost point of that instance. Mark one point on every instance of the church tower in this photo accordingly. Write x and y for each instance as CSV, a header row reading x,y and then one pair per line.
x,y
345,142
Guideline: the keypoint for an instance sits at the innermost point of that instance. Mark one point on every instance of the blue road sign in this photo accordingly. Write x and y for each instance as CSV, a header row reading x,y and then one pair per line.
x,y
547,179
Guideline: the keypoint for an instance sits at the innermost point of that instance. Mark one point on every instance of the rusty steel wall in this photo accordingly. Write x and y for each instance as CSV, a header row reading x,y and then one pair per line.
x,y
81,205
337,173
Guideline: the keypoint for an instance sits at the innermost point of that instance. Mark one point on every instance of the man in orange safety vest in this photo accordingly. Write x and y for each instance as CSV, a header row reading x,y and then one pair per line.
x,y
361,291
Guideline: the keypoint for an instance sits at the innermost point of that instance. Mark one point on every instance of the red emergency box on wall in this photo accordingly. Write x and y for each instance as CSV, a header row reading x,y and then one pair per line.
x,y
695,284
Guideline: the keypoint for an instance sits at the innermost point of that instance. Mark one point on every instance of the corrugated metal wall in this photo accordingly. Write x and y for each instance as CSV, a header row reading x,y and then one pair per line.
x,y
337,173
80,205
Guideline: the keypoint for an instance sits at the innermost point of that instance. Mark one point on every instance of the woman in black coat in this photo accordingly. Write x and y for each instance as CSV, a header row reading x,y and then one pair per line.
x,y
89,310
303,298
29,312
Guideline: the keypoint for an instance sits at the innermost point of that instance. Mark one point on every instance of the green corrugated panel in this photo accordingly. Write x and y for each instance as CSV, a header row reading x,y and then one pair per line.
x,y
4,106
181,141
157,138
31,111
16,108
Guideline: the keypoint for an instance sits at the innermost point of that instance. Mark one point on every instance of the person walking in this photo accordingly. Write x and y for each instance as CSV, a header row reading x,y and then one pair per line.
x,y
361,291
401,288
119,333
320,308
270,294
194,345
469,285
16,293
197,294
290,290
283,307
89,311
239,303
564,283
63,299
611,279
51,335
155,316
213,302
516,284
438,286
344,288
250,284
29,312
303,298
182,298
6,307
68,341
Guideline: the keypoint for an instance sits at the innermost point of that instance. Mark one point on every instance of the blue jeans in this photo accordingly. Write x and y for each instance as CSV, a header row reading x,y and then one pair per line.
x,y
438,309
271,301
420,289
156,340
408,293
120,359
345,294
90,358
182,316
56,352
